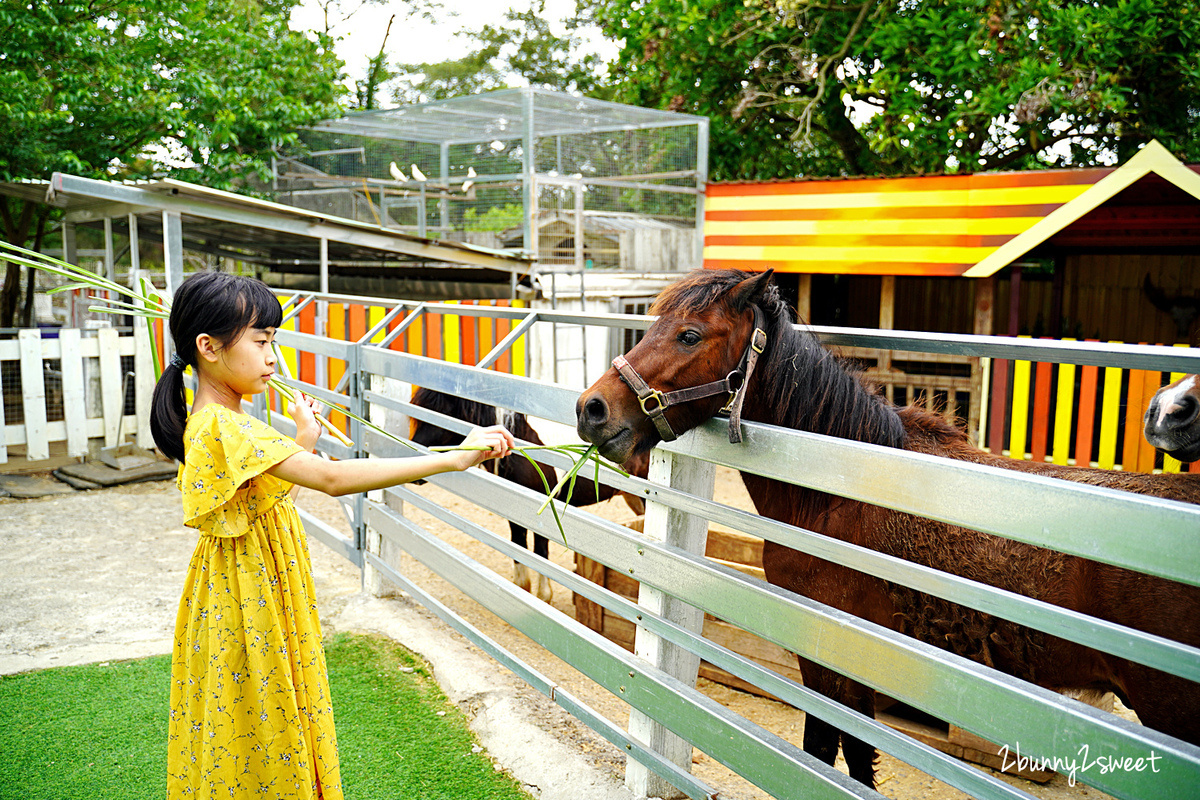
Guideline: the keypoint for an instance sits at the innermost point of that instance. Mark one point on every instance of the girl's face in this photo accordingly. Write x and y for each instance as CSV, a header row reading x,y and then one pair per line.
x,y
247,364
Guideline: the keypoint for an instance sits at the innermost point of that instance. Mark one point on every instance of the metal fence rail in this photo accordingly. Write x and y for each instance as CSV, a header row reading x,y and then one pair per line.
x,y
1139,533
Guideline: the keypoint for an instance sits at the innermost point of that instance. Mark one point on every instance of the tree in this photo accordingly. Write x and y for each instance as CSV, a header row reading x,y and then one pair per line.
x,y
829,87
135,89
523,47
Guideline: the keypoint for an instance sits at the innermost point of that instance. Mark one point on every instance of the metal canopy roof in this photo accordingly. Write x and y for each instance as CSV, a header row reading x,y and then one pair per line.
x,y
279,236
502,114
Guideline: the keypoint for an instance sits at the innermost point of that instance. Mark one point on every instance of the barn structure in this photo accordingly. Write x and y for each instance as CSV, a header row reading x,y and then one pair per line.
x,y
1111,254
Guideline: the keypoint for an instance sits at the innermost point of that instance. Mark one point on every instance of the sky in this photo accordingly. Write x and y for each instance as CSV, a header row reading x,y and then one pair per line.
x,y
417,40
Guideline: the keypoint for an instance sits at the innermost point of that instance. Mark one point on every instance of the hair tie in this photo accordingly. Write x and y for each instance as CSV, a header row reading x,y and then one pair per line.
x,y
176,361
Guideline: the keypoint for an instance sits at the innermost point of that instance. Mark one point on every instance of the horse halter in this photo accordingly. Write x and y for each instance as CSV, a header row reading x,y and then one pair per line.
x,y
655,403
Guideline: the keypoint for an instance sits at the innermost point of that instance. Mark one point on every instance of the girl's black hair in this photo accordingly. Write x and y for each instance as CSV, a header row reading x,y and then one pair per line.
x,y
221,305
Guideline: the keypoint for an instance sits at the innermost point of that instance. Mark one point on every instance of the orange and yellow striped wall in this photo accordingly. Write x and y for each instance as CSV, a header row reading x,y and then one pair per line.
x,y
934,226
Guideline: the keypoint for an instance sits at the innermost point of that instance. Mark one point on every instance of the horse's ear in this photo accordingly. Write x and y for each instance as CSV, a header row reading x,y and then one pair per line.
x,y
750,291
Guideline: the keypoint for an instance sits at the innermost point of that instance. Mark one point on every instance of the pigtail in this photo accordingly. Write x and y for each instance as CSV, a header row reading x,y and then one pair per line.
x,y
168,412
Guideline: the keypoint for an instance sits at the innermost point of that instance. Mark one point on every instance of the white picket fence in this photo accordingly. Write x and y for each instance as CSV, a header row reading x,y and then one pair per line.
x,y
87,412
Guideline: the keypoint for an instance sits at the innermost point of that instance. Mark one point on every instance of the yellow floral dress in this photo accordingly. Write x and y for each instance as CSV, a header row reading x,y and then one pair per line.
x,y
250,707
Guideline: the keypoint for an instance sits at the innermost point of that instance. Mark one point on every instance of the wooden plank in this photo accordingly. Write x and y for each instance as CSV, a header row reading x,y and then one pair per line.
x,y
33,390
517,362
451,336
74,399
433,336
1086,419
1110,410
306,322
112,399
469,338
1134,409
1019,418
143,382
1145,451
3,425
1041,411
375,315
1063,409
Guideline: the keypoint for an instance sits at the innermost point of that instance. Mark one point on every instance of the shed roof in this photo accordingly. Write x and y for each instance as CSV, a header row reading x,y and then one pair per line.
x,y
953,225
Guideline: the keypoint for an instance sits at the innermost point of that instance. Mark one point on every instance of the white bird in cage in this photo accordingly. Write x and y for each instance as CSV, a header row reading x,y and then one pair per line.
x,y
470,174
417,174
396,173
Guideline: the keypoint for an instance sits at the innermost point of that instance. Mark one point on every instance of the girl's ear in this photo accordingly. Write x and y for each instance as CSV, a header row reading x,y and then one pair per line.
x,y
206,348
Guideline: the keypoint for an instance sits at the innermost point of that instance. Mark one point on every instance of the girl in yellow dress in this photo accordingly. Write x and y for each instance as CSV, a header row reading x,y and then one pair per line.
x,y
250,707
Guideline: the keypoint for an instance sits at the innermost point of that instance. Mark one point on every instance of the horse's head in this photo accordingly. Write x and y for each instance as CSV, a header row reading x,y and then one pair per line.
x,y
701,340
1173,419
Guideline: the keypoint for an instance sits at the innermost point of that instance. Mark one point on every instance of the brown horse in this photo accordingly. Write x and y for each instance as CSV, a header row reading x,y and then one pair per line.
x,y
1173,419
704,327
515,468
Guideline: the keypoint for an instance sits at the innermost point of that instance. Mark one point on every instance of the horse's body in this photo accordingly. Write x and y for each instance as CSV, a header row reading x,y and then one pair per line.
x,y
515,468
704,324
1173,419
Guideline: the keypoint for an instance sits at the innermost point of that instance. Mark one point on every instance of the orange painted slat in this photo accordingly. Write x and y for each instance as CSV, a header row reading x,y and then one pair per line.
x,y
503,328
357,318
1041,412
307,323
1134,408
433,336
487,331
466,338
400,343
1151,382
1086,418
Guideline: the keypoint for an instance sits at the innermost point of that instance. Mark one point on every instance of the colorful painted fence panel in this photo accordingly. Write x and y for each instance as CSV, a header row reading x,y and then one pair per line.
x,y
1081,415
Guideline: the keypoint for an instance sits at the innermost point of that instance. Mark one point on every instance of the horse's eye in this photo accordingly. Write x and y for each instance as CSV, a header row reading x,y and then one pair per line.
x,y
690,338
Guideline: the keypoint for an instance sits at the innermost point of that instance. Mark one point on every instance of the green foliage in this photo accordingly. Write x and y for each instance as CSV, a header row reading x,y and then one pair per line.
x,y
963,85
129,89
101,730
496,218
523,47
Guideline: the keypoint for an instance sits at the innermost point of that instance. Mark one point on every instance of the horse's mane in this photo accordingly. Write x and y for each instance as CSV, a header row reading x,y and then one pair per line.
x,y
804,385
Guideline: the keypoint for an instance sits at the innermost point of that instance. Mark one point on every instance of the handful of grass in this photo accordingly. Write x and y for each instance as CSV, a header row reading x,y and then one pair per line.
x,y
148,303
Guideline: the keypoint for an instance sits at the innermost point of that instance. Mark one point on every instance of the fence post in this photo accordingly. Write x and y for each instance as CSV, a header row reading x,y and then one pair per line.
x,y
689,533
373,581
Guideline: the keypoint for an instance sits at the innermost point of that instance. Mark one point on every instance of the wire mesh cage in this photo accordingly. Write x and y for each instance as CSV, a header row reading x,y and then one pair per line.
x,y
581,183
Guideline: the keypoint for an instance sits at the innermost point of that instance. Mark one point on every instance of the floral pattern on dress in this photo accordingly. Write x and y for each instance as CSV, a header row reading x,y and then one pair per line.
x,y
250,706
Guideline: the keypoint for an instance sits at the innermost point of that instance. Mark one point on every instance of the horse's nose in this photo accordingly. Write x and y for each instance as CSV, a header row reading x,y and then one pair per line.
x,y
591,414
1181,413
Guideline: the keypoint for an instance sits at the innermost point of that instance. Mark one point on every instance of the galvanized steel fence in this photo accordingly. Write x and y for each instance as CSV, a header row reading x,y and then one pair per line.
x,y
1157,537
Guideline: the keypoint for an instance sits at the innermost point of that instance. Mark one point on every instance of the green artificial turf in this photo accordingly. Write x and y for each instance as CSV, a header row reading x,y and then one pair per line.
x,y
100,730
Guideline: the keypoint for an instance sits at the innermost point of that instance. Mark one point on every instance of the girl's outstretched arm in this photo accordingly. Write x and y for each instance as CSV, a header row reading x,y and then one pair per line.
x,y
363,474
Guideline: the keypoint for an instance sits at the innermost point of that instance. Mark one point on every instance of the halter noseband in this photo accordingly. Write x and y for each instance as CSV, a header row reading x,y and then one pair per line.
x,y
655,403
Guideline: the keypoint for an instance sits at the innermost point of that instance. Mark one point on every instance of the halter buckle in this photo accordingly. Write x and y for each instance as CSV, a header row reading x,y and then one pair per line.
x,y
658,398
735,380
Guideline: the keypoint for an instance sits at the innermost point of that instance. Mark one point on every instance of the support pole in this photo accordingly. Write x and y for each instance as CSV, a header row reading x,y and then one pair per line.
x,y
690,533
135,254
72,257
173,250
322,320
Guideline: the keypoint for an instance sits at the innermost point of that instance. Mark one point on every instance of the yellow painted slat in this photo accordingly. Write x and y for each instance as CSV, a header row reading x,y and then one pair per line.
x,y
1110,415
949,226
289,353
518,348
451,337
375,315
1173,464
914,255
1001,196
1064,406
1020,409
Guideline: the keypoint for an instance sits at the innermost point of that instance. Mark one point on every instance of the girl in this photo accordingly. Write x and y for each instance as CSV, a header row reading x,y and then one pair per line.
x,y
250,708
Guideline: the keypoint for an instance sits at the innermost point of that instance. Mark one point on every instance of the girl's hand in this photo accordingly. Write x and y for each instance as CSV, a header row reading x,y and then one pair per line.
x,y
304,412
496,438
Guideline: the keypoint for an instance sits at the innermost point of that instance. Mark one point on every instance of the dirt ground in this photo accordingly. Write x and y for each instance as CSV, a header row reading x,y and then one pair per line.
x,y
96,576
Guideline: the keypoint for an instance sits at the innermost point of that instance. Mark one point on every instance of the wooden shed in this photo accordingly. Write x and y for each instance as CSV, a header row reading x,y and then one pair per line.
x,y
1104,253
